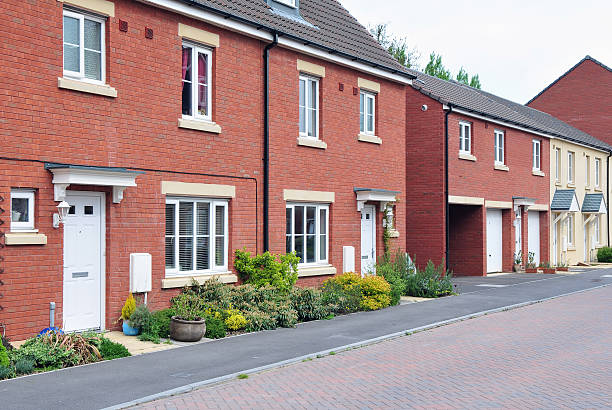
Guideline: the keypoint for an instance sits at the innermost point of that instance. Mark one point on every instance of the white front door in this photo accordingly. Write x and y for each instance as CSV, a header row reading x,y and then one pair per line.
x,y
368,239
494,240
84,261
533,235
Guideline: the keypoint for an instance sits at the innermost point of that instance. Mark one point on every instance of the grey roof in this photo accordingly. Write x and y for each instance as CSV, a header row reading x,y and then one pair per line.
x,y
497,108
587,58
54,165
562,200
375,190
328,25
592,202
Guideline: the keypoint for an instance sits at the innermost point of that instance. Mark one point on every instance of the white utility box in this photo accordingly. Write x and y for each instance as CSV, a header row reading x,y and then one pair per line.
x,y
348,259
140,272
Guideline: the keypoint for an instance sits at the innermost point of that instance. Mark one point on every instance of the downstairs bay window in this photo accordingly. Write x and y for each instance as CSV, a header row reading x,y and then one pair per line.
x,y
196,236
307,232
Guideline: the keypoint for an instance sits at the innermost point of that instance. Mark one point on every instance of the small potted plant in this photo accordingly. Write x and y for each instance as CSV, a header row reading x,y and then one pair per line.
x,y
126,312
562,267
518,260
546,268
531,267
188,324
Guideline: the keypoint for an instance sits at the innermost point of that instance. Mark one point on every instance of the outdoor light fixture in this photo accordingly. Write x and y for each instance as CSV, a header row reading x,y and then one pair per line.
x,y
60,217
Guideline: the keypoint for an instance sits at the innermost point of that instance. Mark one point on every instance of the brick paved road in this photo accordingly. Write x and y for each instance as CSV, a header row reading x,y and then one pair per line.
x,y
555,354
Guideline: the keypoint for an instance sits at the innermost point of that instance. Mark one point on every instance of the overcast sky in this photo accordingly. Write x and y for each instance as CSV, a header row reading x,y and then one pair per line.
x,y
517,47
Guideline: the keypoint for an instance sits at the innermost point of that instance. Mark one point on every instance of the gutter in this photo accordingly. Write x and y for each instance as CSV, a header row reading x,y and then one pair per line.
x,y
446,202
266,145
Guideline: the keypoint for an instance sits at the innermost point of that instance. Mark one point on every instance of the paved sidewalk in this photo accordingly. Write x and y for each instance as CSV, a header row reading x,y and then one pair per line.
x,y
550,355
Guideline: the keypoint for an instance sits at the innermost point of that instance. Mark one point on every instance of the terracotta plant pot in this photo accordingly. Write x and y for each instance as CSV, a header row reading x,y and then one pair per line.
x,y
563,269
531,270
549,270
187,330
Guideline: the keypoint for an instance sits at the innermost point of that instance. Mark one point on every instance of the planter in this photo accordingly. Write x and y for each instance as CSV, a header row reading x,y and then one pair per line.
x,y
187,330
129,330
531,270
517,267
563,269
549,270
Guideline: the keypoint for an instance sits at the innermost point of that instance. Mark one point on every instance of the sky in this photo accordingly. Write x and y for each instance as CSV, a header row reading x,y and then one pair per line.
x,y
516,47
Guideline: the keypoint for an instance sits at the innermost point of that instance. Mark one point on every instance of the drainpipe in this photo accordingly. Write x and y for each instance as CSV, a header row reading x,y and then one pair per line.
x,y
446,204
266,147
608,197
51,314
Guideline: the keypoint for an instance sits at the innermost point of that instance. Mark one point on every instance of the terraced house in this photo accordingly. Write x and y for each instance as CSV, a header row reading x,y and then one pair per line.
x,y
496,181
172,132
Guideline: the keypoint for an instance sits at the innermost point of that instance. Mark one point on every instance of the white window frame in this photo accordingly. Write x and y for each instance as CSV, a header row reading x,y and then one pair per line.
x,y
366,97
80,75
465,128
537,155
318,260
195,49
587,171
597,172
570,167
558,164
290,3
23,194
570,229
499,147
596,229
214,268
307,79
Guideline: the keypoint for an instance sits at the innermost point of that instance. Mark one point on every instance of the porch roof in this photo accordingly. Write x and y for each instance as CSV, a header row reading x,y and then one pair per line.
x,y
565,200
594,203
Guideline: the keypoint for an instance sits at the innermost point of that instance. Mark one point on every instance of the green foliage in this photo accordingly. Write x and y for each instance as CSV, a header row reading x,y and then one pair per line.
x,y
279,271
111,350
475,82
243,376
258,320
4,359
161,321
375,293
235,320
308,303
6,343
518,257
395,268
286,315
215,328
435,67
45,356
396,46
140,318
128,308
188,306
24,366
432,282
604,254
342,293
6,372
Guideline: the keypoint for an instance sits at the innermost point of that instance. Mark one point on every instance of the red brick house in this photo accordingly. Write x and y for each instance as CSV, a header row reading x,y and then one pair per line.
x,y
151,118
478,168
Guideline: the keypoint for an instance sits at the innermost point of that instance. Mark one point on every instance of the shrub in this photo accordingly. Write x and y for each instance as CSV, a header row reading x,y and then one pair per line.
x,y
258,320
6,372
6,343
215,328
286,316
111,350
308,303
604,254
279,271
235,320
24,366
4,359
161,321
395,269
430,283
129,307
188,306
45,356
375,293
342,293
140,318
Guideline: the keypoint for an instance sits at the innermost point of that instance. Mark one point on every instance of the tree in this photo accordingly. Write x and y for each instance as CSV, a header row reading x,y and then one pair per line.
x,y
435,67
397,47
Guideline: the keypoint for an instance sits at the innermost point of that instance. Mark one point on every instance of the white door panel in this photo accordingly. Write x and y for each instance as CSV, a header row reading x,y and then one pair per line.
x,y
368,239
494,240
533,235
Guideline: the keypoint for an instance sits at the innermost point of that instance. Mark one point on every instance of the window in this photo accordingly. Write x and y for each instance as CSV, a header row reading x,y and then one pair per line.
x,y
537,163
307,232
570,229
465,137
196,236
499,147
570,167
290,3
196,82
587,171
367,105
597,171
84,50
309,107
22,210
596,224
558,164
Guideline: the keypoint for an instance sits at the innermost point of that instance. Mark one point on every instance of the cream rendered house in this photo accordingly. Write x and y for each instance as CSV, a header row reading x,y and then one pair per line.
x,y
579,194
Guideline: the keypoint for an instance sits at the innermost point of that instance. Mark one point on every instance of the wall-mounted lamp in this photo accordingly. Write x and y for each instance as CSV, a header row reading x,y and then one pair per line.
x,y
60,217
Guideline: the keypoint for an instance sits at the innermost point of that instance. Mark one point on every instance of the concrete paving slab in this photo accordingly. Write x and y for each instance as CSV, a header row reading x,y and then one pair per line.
x,y
135,346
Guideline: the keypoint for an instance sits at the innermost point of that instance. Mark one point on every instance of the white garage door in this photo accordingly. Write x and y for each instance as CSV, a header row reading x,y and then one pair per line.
x,y
494,240
533,236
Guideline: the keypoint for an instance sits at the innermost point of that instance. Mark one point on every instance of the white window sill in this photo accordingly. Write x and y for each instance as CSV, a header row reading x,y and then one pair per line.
x,y
25,238
306,271
199,125
373,139
467,156
311,142
538,173
182,281
597,189
571,185
571,248
501,167
557,183
394,233
85,87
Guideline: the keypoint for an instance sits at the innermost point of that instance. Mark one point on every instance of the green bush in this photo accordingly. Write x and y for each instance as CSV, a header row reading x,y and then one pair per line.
x,y
395,269
140,318
342,293
161,320
45,356
4,359
6,372
308,303
111,350
215,328
24,366
375,293
604,254
286,316
430,283
188,306
258,320
279,271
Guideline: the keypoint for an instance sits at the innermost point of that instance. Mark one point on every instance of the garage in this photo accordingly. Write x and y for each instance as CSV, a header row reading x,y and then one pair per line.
x,y
533,236
494,240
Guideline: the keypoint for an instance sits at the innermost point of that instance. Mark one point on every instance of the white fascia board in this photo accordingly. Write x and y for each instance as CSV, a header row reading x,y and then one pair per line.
x,y
250,31
93,177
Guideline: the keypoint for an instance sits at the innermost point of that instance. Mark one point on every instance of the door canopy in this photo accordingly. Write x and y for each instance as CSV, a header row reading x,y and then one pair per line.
x,y
383,196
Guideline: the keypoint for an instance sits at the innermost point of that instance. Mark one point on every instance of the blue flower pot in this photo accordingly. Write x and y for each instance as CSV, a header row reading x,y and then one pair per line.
x,y
129,330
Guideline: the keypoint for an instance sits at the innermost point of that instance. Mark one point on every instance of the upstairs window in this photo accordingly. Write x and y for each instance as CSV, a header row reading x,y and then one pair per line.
x,y
22,210
537,165
558,164
499,147
309,107
307,232
84,50
196,82
597,171
587,171
570,167
367,104
465,137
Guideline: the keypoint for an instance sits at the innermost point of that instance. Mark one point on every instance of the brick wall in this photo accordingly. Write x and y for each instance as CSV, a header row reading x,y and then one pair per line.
x,y
467,247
